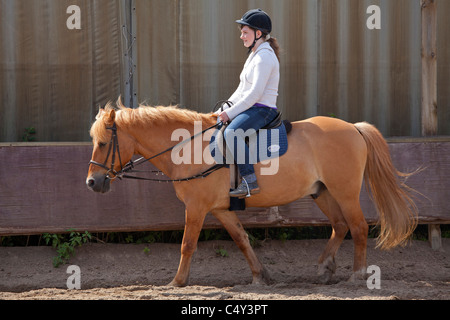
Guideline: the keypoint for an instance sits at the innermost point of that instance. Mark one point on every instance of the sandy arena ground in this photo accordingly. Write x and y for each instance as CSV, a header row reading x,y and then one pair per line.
x,y
127,271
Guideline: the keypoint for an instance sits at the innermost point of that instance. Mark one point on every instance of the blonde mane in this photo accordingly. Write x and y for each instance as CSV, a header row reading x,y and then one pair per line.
x,y
147,115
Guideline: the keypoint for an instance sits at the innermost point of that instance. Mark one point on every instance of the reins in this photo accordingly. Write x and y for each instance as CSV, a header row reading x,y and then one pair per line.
x,y
203,174
129,167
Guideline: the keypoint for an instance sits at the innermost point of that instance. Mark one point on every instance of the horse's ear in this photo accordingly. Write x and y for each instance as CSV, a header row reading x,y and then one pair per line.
x,y
110,117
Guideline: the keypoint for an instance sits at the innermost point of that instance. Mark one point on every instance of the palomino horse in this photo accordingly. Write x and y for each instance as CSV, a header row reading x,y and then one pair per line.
x,y
324,153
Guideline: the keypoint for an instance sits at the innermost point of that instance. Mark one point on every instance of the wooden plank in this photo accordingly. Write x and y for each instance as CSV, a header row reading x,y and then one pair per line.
x,y
443,67
434,236
429,67
43,190
429,88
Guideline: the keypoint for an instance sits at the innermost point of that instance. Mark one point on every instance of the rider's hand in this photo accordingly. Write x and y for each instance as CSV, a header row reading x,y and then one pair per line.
x,y
224,117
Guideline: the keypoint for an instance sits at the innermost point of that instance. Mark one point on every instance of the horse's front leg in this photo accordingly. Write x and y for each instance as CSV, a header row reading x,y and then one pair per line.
x,y
192,228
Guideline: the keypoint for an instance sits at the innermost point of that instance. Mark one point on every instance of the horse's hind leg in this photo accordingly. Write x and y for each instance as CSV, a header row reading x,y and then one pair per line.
x,y
351,209
234,227
332,210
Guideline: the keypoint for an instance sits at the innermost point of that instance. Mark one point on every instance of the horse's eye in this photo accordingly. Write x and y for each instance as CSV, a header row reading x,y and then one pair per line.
x,y
101,144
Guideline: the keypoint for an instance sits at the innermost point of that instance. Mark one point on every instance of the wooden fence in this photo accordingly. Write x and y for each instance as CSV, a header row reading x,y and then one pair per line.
x,y
43,190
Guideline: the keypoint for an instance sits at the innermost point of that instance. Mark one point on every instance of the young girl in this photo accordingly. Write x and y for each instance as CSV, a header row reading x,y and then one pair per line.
x,y
253,105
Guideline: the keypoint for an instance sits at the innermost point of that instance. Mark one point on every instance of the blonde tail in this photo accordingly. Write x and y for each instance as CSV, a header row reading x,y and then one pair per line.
x,y
397,211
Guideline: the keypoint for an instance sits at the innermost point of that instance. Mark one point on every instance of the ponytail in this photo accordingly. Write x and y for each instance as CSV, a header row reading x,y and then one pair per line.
x,y
275,46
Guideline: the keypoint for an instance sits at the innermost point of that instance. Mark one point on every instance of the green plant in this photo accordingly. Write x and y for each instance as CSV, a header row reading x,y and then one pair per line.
x,y
254,241
221,252
6,241
65,248
129,239
28,136
284,236
206,234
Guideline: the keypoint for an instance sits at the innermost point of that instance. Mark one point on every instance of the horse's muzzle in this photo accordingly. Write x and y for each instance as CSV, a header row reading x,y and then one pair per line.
x,y
98,183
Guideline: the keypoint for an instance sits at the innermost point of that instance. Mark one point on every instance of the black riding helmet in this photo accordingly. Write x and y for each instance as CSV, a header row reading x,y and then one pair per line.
x,y
257,20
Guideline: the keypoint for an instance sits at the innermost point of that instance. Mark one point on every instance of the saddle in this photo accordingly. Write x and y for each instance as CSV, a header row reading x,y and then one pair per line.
x,y
276,122
270,142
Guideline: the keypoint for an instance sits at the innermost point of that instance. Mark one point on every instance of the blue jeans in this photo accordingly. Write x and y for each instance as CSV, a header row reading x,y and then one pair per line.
x,y
254,118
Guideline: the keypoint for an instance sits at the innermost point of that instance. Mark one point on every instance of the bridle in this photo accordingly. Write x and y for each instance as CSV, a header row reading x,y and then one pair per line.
x,y
114,147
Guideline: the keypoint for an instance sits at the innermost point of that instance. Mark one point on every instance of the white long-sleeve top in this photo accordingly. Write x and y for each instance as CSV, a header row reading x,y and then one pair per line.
x,y
258,81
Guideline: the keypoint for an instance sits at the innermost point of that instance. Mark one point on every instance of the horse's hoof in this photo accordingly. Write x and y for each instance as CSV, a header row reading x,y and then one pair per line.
x,y
325,277
358,276
177,284
326,270
262,279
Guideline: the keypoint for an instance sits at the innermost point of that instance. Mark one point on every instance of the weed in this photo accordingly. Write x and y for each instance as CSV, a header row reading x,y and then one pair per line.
x,y
28,136
256,235
221,252
65,249
283,237
254,242
129,239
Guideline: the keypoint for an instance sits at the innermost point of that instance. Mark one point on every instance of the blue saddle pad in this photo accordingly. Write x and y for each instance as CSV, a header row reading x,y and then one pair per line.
x,y
265,144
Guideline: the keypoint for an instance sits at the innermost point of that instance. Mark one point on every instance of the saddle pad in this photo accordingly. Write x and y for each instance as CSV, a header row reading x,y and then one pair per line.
x,y
270,144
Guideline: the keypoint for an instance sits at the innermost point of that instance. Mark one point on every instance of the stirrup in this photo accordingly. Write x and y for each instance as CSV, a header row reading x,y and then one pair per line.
x,y
241,193
248,188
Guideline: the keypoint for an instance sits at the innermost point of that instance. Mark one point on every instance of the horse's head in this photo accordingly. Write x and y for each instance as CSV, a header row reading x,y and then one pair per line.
x,y
113,147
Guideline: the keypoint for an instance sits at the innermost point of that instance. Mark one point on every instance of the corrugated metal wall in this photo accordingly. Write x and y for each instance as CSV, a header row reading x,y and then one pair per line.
x,y
188,52
51,77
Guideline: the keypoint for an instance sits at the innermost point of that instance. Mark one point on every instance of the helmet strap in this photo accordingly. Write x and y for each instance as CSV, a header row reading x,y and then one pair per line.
x,y
254,42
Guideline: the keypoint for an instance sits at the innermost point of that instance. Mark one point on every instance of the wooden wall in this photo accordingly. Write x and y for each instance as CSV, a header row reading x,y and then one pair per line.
x,y
43,189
